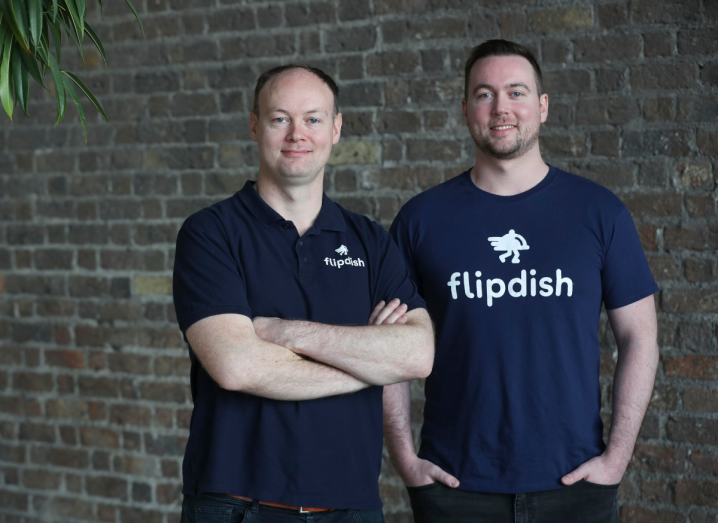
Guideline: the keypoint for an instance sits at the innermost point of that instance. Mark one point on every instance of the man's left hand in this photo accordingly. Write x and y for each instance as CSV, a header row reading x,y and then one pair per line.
x,y
271,330
599,470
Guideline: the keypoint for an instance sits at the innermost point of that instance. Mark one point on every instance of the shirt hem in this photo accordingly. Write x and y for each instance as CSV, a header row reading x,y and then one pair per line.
x,y
373,503
519,488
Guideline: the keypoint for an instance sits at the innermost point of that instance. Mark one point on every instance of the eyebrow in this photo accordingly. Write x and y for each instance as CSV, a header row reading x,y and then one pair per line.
x,y
305,112
489,86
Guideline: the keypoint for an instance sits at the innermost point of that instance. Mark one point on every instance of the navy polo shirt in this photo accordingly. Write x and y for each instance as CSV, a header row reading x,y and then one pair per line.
x,y
240,256
515,285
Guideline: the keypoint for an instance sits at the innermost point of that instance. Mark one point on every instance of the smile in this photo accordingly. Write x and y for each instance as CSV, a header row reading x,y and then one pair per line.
x,y
502,127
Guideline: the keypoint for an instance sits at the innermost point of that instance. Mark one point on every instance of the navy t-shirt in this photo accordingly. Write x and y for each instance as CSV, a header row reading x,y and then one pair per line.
x,y
514,285
239,256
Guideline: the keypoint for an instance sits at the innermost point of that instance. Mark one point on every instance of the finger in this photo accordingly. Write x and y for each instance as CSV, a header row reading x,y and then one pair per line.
x,y
444,477
403,319
388,309
375,312
577,475
398,313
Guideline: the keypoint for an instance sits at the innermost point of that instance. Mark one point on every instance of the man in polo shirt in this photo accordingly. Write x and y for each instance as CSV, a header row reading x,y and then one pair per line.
x,y
514,258
273,289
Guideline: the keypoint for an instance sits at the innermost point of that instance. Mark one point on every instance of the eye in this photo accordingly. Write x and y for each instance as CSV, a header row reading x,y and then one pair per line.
x,y
517,93
314,120
484,95
280,119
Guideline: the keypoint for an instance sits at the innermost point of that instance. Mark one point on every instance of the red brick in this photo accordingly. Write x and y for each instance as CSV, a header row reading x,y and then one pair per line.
x,y
135,515
690,300
647,235
700,205
654,205
651,458
71,359
664,267
170,469
130,415
660,491
66,408
696,238
105,387
691,366
704,461
700,270
701,493
701,400
41,479
97,437
62,335
645,515
106,513
73,508
169,493
693,430
98,410
78,459
37,432
136,465
32,382
129,363
10,500
107,487
171,392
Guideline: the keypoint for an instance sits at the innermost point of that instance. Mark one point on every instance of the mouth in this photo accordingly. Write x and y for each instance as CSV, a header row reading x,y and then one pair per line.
x,y
502,127
296,152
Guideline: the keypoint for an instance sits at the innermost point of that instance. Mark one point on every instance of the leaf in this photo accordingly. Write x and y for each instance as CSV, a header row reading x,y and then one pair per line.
x,y
71,35
136,15
19,74
32,67
5,79
9,18
20,15
54,10
96,40
89,94
34,8
73,94
100,2
59,88
81,9
78,22
57,37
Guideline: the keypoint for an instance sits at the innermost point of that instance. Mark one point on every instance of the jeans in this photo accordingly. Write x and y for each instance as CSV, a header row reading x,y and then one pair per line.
x,y
582,502
218,508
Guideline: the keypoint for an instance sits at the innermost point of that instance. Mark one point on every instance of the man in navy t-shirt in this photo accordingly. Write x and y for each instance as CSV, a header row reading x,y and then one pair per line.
x,y
515,259
273,289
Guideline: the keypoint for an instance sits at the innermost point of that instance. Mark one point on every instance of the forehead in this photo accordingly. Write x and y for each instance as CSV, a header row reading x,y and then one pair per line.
x,y
296,89
499,71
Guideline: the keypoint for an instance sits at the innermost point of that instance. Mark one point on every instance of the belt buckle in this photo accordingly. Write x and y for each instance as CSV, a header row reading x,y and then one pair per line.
x,y
302,511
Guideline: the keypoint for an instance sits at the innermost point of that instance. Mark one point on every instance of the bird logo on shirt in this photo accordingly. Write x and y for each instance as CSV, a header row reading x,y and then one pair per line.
x,y
510,243
342,250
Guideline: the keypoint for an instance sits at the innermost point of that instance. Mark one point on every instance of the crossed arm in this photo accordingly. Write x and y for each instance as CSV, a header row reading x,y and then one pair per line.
x,y
300,360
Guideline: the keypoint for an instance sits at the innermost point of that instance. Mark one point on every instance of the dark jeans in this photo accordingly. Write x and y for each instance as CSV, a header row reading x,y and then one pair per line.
x,y
582,502
217,508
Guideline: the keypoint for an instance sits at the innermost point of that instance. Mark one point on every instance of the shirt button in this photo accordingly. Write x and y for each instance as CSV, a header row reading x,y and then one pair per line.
x,y
305,260
300,243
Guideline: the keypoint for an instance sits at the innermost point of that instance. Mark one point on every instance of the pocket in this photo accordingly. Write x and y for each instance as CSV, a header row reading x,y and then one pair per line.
x,y
428,486
599,486
210,514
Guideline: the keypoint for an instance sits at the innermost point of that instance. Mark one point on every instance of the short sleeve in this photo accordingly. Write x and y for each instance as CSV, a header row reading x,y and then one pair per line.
x,y
207,278
393,279
400,233
625,275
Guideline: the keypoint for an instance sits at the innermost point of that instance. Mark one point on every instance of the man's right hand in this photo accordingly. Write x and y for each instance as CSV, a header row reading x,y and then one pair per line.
x,y
389,313
421,472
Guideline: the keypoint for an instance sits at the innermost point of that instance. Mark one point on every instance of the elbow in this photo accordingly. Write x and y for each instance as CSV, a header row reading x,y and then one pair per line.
x,y
423,363
229,380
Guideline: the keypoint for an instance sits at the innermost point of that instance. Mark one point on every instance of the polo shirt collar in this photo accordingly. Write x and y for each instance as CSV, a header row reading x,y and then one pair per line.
x,y
330,217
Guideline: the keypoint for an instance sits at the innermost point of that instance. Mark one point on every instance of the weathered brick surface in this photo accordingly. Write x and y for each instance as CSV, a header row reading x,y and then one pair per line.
x,y
94,395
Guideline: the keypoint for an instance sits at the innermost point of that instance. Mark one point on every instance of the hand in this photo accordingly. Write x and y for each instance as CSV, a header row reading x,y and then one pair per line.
x,y
597,470
389,313
270,329
422,472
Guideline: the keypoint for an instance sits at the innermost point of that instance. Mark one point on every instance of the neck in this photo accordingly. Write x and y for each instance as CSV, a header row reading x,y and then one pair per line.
x,y
508,177
299,204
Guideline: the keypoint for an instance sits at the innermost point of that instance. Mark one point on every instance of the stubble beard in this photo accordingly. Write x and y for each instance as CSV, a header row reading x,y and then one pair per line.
x,y
525,141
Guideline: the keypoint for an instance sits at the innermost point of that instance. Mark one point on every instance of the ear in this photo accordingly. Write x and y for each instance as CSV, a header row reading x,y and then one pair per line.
x,y
543,107
253,120
336,128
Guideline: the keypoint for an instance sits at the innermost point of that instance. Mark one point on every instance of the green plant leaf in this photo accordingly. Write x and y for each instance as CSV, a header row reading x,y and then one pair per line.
x,y
100,2
32,67
80,111
96,40
59,88
34,9
78,22
6,7
5,77
81,10
136,15
71,36
20,78
2,32
89,94
54,10
20,14
56,36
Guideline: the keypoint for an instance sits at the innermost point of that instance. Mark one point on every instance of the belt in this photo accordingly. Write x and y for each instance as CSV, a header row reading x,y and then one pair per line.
x,y
301,510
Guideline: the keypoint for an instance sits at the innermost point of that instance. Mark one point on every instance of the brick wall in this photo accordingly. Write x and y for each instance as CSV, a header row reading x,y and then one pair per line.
x,y
94,396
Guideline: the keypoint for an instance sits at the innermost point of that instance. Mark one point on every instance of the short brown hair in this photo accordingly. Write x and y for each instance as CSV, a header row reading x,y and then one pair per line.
x,y
501,48
271,73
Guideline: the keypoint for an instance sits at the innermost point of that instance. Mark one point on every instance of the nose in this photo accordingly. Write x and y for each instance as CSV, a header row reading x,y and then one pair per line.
x,y
500,105
295,132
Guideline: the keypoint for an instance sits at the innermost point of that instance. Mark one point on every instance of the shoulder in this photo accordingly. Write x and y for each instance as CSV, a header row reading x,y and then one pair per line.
x,y
364,227
432,199
588,193
215,218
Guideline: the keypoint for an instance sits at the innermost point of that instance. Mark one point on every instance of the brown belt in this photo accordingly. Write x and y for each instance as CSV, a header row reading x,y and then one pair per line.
x,y
281,505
